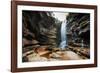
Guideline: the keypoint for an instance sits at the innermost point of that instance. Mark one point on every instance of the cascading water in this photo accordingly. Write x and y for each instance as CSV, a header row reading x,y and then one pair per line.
x,y
63,43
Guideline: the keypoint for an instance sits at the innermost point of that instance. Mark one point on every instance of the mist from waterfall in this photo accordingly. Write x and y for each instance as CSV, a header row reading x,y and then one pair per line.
x,y
63,43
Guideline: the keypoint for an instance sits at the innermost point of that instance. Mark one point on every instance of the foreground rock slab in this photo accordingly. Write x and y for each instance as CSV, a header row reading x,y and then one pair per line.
x,y
53,56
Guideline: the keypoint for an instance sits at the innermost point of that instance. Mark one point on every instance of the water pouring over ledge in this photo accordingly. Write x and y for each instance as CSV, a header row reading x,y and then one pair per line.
x,y
62,17
64,42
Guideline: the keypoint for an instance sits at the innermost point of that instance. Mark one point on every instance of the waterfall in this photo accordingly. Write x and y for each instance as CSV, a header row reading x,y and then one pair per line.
x,y
63,43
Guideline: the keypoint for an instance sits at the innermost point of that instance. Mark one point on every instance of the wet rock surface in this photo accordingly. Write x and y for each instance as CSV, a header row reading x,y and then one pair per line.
x,y
52,56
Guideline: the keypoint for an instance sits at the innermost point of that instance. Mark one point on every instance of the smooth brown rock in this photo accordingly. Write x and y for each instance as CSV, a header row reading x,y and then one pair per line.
x,y
36,57
35,42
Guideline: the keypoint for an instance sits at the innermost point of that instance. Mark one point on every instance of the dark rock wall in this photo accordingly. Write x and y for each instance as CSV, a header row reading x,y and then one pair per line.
x,y
79,27
39,29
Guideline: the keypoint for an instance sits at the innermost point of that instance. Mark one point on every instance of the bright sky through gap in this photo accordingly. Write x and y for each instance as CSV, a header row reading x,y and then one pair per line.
x,y
60,16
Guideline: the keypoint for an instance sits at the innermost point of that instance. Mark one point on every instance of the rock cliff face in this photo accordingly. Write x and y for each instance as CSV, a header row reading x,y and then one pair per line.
x,y
79,27
39,29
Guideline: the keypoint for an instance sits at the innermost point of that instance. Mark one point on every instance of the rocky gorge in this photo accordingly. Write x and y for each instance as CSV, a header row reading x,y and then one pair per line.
x,y
41,36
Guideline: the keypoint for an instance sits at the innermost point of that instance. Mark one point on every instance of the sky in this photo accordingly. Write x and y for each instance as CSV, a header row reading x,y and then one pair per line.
x,y
60,15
